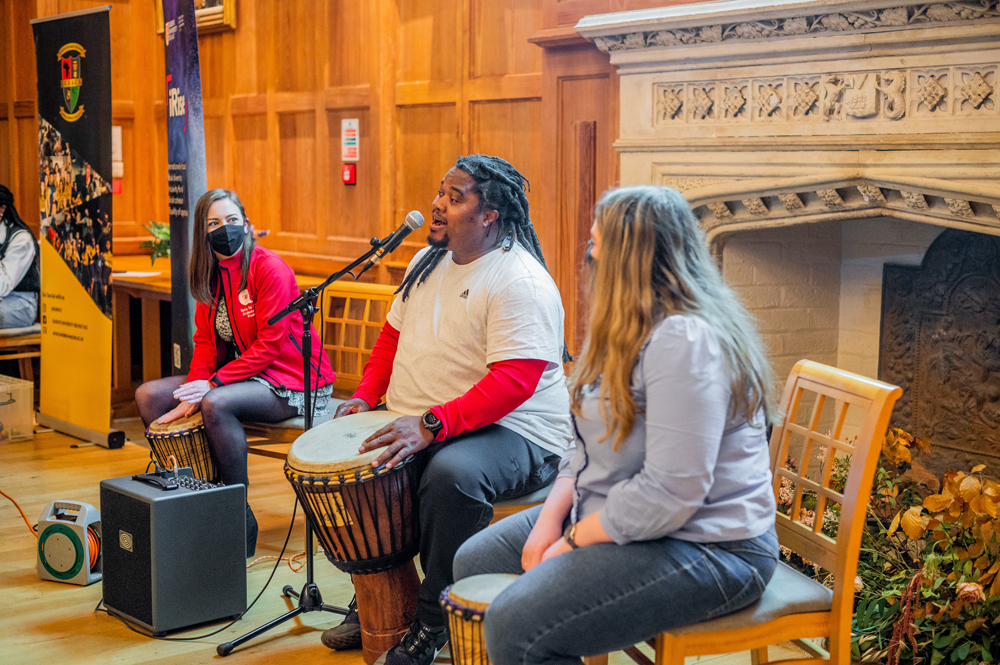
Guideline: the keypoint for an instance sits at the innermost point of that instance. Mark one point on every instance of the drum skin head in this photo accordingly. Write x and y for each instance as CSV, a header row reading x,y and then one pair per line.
x,y
332,448
478,591
193,421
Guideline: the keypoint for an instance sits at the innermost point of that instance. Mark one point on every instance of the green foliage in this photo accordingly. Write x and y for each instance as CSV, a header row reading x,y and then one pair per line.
x,y
160,244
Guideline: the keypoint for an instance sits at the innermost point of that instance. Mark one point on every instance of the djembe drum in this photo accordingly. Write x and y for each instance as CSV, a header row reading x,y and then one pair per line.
x,y
184,439
366,519
465,602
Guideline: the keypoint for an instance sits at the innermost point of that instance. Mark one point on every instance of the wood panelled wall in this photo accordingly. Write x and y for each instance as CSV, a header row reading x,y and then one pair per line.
x,y
429,80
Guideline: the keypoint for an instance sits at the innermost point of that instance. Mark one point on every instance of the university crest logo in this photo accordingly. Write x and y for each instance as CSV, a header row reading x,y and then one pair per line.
x,y
70,56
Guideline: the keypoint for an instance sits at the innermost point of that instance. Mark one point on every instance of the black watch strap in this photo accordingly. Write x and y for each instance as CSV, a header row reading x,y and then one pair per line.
x,y
570,535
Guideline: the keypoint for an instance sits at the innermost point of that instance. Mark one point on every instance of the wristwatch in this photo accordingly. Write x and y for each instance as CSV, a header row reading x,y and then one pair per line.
x,y
431,423
570,535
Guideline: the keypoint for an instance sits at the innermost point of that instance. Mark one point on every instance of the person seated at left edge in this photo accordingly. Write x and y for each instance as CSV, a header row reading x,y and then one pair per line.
x,y
472,353
20,280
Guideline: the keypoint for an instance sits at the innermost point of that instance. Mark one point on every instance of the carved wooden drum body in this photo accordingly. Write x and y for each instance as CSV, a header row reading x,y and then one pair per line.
x,y
184,439
365,518
465,603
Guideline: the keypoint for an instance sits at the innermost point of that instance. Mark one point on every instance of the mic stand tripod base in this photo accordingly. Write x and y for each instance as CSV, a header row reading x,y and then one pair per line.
x,y
310,600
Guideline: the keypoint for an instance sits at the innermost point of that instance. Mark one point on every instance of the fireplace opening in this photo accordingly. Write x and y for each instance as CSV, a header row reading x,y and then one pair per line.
x,y
815,289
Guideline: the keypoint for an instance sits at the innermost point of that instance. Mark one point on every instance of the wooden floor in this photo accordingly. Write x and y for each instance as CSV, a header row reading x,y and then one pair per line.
x,y
51,622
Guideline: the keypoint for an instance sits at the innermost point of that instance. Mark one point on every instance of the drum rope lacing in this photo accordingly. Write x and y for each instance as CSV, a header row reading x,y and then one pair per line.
x,y
347,514
187,446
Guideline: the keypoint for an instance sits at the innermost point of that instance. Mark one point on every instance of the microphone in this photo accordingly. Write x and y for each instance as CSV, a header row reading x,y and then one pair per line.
x,y
414,220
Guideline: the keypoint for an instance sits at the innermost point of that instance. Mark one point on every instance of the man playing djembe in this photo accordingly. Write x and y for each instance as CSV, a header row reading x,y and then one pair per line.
x,y
471,353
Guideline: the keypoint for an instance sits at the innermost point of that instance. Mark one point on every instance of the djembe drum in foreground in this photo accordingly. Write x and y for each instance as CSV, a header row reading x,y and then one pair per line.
x,y
366,519
185,439
465,602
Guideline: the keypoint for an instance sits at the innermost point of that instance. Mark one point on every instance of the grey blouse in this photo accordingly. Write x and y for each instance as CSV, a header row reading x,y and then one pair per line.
x,y
683,471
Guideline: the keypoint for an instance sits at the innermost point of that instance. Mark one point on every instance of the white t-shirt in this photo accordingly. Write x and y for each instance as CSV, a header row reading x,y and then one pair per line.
x,y
463,318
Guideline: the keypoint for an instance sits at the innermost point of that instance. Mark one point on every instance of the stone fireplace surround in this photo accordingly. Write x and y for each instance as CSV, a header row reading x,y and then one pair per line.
x,y
816,142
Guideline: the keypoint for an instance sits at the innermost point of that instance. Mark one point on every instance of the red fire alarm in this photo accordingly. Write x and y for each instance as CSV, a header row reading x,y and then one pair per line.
x,y
349,174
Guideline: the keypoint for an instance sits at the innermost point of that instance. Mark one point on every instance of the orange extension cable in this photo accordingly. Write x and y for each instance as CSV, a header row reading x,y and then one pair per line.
x,y
30,528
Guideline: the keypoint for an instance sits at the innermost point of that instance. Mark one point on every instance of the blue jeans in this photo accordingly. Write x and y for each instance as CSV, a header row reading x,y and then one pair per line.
x,y
606,597
18,309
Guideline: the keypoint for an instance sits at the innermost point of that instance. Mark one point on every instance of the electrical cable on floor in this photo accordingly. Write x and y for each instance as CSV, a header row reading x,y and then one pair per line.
x,y
134,629
290,559
25,517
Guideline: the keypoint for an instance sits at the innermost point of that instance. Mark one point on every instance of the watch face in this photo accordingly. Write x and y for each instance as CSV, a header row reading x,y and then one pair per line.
x,y
431,421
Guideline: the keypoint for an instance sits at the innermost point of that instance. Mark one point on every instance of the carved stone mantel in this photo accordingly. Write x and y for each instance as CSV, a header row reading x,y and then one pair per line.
x,y
812,110
792,24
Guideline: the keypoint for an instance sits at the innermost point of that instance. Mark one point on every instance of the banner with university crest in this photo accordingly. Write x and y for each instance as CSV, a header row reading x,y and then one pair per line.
x,y
73,59
186,170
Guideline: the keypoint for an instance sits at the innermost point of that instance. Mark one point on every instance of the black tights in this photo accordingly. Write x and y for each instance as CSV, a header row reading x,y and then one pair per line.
x,y
223,409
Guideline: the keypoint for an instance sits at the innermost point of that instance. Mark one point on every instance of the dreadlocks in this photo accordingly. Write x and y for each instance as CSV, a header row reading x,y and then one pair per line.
x,y
500,187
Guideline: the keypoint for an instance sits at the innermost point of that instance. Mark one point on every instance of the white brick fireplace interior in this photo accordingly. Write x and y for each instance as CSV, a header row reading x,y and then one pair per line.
x,y
817,142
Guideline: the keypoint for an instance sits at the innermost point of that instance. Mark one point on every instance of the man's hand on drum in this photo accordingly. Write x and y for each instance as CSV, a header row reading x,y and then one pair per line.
x,y
190,395
401,438
353,405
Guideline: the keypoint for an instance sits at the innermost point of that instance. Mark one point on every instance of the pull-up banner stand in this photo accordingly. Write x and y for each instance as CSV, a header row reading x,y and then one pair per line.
x,y
186,172
73,58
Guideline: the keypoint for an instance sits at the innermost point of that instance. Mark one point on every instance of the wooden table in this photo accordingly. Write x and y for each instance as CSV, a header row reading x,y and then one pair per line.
x,y
151,291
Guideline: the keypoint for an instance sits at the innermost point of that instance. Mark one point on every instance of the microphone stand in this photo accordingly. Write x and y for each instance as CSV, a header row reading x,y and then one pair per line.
x,y
310,599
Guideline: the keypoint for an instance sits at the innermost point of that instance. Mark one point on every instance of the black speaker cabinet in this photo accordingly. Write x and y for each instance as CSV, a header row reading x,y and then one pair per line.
x,y
173,557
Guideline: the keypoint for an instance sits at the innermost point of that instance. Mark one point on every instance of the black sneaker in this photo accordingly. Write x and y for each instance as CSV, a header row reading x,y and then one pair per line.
x,y
251,532
348,634
419,646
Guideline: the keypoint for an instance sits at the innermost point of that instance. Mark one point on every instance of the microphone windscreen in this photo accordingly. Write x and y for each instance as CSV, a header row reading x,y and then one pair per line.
x,y
414,220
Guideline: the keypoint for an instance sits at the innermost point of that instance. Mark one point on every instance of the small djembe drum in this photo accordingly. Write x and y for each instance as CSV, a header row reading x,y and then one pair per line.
x,y
184,439
365,517
465,602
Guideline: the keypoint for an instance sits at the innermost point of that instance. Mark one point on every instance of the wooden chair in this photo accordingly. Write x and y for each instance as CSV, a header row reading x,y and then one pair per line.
x,y
794,607
22,344
507,507
353,316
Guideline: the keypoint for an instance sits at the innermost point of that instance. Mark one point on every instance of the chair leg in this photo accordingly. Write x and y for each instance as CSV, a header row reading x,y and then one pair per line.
x,y
759,656
27,374
668,650
596,660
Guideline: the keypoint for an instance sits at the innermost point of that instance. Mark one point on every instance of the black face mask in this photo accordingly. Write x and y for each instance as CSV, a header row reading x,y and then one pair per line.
x,y
591,261
227,239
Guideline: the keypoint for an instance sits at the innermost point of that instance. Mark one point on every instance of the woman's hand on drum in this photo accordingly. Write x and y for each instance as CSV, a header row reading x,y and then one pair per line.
x,y
182,410
353,405
192,391
403,436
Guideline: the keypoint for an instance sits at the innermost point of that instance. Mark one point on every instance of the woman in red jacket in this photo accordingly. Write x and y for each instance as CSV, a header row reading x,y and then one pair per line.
x,y
242,368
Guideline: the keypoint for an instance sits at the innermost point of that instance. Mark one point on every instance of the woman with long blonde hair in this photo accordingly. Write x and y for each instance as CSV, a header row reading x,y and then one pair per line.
x,y
664,514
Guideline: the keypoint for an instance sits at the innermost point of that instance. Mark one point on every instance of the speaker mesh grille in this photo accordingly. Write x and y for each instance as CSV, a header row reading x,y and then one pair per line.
x,y
128,579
